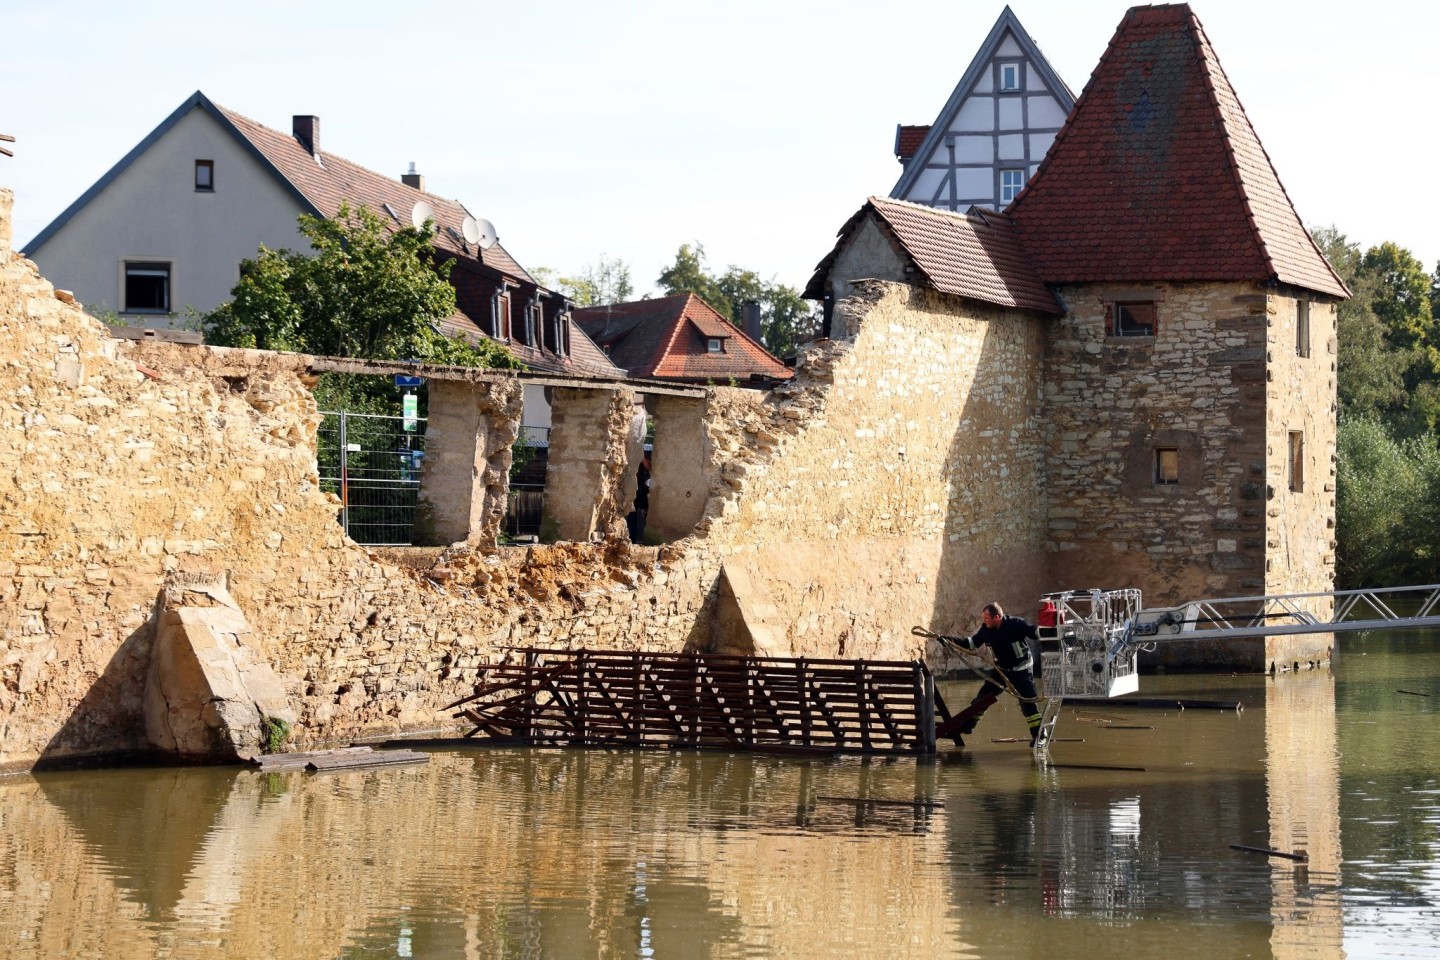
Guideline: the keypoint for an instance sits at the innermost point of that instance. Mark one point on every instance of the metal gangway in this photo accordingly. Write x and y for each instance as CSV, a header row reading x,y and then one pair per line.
x,y
1091,639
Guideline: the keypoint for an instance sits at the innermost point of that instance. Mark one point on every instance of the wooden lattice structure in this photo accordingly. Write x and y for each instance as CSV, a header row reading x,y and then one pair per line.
x,y
640,699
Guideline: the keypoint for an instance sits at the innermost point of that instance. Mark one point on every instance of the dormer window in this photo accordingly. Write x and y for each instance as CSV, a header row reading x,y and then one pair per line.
x,y
501,320
714,345
1009,76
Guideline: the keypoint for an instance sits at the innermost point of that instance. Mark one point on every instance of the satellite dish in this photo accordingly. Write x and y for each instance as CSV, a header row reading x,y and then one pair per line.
x,y
471,229
485,234
421,212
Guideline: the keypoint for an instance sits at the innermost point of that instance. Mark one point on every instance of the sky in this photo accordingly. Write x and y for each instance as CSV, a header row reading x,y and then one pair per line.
x,y
625,129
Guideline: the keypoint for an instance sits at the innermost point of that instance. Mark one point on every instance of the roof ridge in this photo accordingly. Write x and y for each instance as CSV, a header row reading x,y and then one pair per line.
x,y
327,154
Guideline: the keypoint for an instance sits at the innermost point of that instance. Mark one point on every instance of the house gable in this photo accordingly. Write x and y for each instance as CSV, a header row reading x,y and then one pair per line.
x,y
668,338
989,128
977,256
148,210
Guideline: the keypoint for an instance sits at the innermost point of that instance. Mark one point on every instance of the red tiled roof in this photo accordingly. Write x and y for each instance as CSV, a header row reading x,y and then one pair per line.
x,y
908,139
334,180
331,181
1158,174
976,255
666,339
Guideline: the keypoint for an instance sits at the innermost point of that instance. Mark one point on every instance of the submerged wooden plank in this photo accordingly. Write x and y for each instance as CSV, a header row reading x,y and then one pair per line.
x,y
378,758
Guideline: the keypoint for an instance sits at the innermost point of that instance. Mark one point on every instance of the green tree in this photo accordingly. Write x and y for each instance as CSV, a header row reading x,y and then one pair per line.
x,y
604,281
786,319
364,291
1369,366
1387,505
688,274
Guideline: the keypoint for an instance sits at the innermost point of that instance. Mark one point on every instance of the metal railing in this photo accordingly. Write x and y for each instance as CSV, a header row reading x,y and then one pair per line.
x,y
372,463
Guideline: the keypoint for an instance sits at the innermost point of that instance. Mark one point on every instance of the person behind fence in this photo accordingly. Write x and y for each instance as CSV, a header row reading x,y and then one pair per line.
x,y
1009,641
636,518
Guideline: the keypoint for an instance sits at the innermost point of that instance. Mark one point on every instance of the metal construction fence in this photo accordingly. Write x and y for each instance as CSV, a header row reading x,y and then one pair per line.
x,y
372,463
527,483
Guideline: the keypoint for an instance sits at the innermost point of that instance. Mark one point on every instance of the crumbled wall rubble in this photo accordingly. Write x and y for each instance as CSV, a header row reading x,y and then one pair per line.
x,y
125,477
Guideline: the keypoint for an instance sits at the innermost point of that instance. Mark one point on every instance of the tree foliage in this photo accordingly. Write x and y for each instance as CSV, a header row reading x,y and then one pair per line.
x,y
786,319
1388,470
364,291
1387,506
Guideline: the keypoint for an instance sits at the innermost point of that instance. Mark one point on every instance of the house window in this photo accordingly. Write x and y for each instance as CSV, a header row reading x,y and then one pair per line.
x,y
1297,461
562,334
204,176
1167,465
1134,318
1011,183
1009,76
533,322
147,287
1302,328
714,345
502,316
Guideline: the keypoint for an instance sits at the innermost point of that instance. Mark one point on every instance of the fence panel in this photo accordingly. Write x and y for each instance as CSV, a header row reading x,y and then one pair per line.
x,y
372,463
526,500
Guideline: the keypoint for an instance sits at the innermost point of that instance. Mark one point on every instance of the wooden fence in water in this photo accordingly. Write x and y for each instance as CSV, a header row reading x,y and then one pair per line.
x,y
638,699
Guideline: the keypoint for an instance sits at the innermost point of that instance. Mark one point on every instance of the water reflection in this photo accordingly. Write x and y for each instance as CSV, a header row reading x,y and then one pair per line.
x,y
510,853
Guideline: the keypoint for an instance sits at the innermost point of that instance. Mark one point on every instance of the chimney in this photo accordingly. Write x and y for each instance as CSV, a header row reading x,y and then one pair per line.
x,y
413,179
307,131
750,319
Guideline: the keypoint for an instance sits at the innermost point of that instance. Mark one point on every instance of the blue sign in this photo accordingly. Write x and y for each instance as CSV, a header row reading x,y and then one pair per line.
x,y
409,381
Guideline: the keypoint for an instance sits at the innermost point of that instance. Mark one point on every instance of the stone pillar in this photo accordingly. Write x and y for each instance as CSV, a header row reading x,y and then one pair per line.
x,y
589,436
466,475
7,201
678,490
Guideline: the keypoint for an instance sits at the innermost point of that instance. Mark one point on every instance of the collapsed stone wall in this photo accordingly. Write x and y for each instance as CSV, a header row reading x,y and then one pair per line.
x,y
894,482
124,477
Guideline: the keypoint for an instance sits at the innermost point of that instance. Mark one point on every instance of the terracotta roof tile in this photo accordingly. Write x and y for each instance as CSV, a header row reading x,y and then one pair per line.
x,y
333,180
976,255
329,181
665,339
1158,174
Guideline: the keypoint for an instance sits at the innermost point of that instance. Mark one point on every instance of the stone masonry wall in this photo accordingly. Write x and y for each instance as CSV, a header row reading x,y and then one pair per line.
x,y
1300,523
124,477
1204,386
909,491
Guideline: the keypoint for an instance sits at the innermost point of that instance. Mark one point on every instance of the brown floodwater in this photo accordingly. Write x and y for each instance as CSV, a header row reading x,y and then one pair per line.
x,y
491,853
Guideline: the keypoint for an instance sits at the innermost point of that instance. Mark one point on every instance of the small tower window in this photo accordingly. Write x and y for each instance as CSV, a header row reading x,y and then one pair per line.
x,y
204,176
1297,461
1130,319
1302,328
1167,465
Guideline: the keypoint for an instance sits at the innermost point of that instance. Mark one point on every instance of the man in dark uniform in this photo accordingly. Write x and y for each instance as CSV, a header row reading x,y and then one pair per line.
x,y
1009,640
